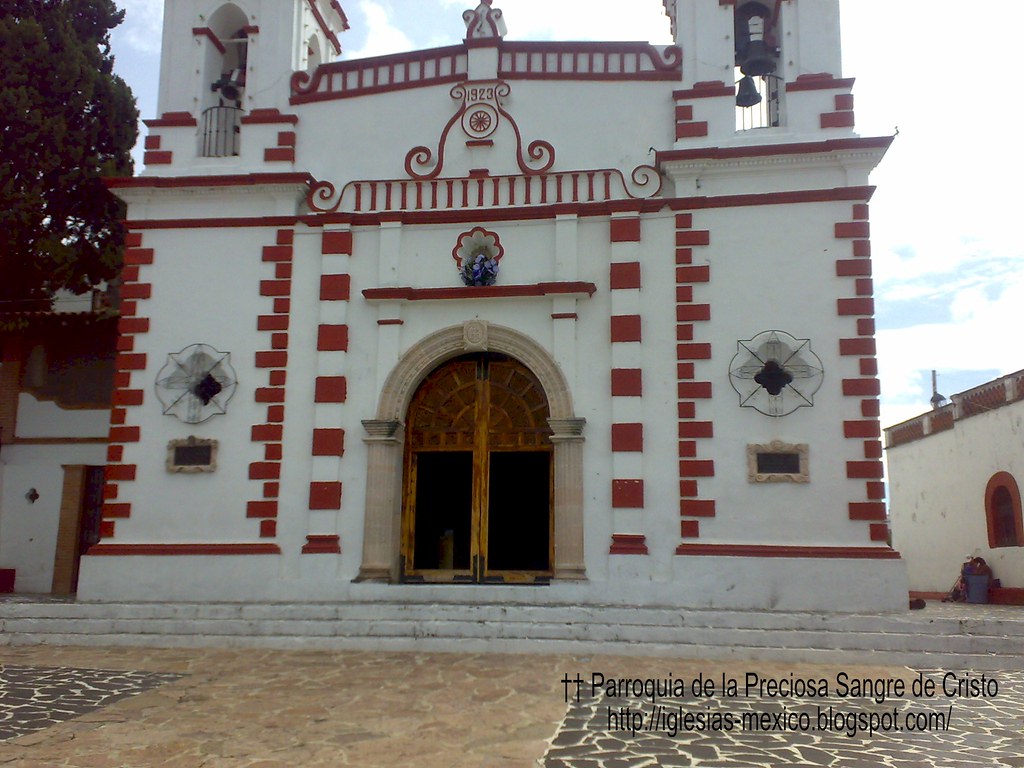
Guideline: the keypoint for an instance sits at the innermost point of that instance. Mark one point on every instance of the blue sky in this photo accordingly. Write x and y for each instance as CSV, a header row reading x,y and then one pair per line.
x,y
948,252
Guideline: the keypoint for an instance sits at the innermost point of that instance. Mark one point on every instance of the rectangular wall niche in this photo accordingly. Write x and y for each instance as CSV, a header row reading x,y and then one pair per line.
x,y
192,454
778,462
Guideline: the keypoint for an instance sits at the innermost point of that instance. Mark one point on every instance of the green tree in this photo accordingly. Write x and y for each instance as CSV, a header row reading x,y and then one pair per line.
x,y
66,121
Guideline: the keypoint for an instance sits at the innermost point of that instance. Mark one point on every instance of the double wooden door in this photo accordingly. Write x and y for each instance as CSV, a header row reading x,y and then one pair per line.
x,y
478,475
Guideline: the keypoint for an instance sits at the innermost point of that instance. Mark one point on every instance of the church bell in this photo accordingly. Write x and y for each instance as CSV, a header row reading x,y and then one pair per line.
x,y
746,94
755,55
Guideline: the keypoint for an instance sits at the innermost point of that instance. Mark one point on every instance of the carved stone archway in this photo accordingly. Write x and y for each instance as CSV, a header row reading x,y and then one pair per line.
x,y
385,433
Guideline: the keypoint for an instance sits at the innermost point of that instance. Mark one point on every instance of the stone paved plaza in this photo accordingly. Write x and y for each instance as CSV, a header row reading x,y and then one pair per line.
x,y
259,708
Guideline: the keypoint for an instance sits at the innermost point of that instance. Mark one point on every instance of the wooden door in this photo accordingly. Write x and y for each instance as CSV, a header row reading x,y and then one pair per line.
x,y
478,475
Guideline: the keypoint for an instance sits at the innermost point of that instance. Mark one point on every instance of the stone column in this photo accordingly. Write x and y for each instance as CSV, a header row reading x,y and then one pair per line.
x,y
382,529
567,440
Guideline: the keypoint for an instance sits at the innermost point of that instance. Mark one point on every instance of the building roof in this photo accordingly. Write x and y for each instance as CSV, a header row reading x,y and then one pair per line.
x,y
981,399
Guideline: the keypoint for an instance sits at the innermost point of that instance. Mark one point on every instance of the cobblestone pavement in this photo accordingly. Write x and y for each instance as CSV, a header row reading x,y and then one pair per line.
x,y
217,708
33,698
762,730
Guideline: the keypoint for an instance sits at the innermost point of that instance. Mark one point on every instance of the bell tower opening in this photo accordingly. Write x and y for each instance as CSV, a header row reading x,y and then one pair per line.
x,y
225,73
757,55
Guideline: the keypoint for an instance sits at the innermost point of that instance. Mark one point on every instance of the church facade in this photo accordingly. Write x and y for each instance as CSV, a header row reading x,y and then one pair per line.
x,y
592,317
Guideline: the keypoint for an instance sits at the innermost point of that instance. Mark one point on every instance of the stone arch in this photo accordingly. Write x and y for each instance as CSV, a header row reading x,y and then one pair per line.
x,y
472,336
1002,490
385,434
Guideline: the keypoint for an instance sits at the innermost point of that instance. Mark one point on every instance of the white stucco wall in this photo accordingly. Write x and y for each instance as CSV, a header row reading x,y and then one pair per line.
x,y
28,530
937,497
773,266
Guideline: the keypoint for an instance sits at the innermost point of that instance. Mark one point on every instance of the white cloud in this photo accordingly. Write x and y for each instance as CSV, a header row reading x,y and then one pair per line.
x,y
580,19
982,336
382,36
142,25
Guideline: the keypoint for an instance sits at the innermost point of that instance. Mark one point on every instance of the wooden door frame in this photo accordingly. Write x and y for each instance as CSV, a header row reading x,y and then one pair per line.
x,y
385,436
481,447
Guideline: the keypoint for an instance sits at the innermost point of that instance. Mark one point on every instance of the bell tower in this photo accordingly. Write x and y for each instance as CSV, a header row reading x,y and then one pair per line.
x,y
765,52
223,59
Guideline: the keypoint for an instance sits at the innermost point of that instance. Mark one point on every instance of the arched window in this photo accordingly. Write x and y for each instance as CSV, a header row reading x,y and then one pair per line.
x,y
1003,511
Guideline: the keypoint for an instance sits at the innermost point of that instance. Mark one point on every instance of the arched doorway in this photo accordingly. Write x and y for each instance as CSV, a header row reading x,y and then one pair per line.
x,y
386,432
478,474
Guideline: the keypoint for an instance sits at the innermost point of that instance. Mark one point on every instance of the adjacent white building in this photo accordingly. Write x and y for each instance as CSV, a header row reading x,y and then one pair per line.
x,y
659,385
955,476
56,370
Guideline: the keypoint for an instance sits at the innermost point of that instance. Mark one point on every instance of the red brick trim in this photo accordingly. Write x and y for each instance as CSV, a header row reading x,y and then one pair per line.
x,y
696,429
628,437
277,255
628,544
269,117
325,495
879,532
697,507
861,428
279,154
212,36
183,549
172,120
864,470
841,119
694,390
261,509
627,494
332,338
696,468
330,389
157,157
625,230
627,382
116,511
705,90
335,287
265,470
266,432
857,306
479,292
864,345
322,544
272,323
271,359
336,242
328,442
861,387
689,317
625,328
867,510
137,291
768,550
625,275
691,130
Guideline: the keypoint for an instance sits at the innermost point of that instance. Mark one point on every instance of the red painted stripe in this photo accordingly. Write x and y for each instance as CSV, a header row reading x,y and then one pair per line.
x,y
184,549
768,550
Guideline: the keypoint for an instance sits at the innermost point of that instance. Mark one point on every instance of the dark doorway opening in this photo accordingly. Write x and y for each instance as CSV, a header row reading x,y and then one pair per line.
x,y
519,523
444,510
478,491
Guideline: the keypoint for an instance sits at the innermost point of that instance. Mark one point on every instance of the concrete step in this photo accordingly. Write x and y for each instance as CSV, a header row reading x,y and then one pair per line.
x,y
945,639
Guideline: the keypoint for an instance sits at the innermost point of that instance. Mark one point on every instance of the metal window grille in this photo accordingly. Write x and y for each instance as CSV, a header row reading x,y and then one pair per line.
x,y
221,131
